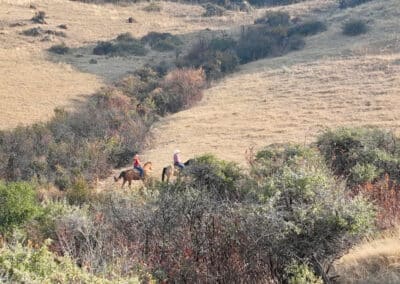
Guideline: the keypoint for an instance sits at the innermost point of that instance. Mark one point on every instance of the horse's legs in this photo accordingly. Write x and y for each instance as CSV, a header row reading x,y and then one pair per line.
x,y
122,186
129,184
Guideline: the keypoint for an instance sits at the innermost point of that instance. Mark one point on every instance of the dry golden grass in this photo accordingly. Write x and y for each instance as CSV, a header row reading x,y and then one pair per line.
x,y
33,83
335,81
375,261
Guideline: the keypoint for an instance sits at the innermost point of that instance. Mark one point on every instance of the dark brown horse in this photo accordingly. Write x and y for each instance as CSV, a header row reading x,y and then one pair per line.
x,y
131,174
172,170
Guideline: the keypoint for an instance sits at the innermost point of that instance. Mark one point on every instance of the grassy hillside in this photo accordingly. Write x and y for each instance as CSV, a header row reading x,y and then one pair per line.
x,y
36,82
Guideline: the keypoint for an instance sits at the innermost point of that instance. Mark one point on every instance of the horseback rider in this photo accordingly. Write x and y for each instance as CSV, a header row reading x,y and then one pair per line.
x,y
177,160
137,165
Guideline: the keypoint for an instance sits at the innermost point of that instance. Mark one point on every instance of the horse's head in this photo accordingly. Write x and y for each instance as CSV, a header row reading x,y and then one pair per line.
x,y
148,166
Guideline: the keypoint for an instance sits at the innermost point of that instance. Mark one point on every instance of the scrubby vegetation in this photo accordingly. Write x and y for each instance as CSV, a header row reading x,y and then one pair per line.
x,y
354,28
351,3
102,134
161,41
272,35
39,17
213,10
288,219
362,154
59,49
123,45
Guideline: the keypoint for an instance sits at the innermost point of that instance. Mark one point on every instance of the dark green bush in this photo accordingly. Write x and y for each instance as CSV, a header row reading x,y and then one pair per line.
x,y
258,42
351,3
213,10
273,2
124,45
354,28
308,28
161,41
274,19
215,57
39,17
79,193
361,154
59,49
152,7
222,43
17,204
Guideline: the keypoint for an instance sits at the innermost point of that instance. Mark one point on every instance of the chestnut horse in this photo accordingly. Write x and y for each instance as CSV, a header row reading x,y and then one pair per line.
x,y
132,174
172,170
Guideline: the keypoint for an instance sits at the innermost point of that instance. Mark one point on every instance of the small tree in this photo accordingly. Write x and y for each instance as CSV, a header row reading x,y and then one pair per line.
x,y
17,204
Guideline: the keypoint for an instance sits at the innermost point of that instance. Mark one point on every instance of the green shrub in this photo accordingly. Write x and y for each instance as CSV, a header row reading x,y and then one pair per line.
x,y
362,173
274,19
215,57
351,3
79,193
221,178
152,7
59,49
361,154
354,28
19,264
256,43
213,10
17,204
222,43
308,28
161,41
39,17
124,45
33,32
302,274
273,2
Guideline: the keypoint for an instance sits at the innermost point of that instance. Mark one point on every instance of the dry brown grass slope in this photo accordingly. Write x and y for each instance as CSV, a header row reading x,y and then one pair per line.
x,y
374,261
32,83
335,81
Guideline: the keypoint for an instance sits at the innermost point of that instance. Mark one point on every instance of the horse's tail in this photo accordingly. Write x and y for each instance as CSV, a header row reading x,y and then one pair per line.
x,y
164,172
121,175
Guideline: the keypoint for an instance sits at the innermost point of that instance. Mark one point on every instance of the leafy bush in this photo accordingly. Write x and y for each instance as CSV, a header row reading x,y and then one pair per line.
x,y
258,42
180,89
308,28
274,19
221,178
59,49
39,17
79,193
19,264
161,41
215,57
152,7
302,274
354,28
17,204
361,154
351,3
273,2
123,45
212,10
